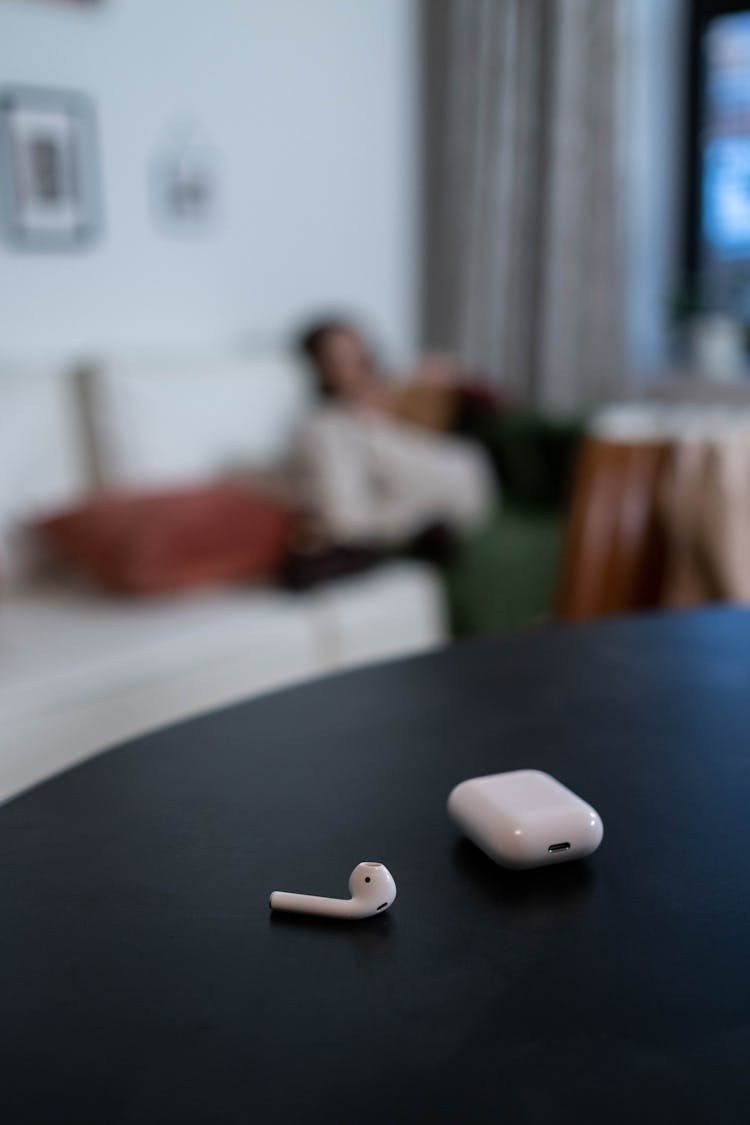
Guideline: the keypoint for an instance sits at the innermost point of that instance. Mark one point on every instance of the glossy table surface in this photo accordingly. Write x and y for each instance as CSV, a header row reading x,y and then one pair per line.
x,y
142,978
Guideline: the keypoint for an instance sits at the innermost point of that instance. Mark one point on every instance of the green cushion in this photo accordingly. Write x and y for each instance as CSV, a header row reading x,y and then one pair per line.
x,y
505,575
533,457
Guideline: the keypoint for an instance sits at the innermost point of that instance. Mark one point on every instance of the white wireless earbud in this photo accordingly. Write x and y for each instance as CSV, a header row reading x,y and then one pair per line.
x,y
372,888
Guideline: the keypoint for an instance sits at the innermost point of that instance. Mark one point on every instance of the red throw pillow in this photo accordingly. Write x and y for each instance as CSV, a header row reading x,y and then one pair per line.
x,y
155,542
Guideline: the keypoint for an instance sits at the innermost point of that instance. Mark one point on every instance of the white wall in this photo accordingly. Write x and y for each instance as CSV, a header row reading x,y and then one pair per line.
x,y
312,106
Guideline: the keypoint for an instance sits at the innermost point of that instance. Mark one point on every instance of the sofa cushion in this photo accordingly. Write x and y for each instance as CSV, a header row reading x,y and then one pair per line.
x,y
534,457
506,574
394,610
163,423
63,643
154,542
79,672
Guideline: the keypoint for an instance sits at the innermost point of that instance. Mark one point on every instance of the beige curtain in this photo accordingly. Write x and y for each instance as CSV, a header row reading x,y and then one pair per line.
x,y
525,192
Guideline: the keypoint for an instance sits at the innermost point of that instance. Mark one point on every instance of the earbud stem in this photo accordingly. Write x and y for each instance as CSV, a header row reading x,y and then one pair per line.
x,y
315,904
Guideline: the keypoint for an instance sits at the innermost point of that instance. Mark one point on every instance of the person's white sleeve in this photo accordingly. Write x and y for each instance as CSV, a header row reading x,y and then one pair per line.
x,y
378,481
336,477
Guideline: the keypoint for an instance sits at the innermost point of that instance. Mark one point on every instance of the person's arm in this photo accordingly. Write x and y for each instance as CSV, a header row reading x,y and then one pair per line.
x,y
371,480
338,484
362,479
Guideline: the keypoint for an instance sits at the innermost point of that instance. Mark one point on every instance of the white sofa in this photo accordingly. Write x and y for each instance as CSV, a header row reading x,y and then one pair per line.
x,y
81,671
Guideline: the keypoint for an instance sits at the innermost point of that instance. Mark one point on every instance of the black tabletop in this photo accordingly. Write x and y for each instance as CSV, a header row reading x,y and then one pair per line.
x,y
143,979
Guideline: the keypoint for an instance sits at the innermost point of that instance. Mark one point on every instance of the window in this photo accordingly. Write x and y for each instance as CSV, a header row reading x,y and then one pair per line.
x,y
718,237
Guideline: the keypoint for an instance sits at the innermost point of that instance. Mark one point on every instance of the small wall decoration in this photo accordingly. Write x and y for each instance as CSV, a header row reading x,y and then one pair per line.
x,y
184,181
49,175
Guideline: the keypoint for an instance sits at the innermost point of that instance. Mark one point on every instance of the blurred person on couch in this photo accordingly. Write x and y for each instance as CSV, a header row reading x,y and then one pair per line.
x,y
379,469
375,440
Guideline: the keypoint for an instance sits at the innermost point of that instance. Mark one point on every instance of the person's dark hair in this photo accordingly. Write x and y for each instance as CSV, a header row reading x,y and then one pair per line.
x,y
310,342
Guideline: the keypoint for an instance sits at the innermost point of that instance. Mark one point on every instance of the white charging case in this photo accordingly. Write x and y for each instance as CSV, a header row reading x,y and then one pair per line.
x,y
525,818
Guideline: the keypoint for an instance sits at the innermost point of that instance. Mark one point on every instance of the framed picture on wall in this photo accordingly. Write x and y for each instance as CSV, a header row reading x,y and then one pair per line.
x,y
49,175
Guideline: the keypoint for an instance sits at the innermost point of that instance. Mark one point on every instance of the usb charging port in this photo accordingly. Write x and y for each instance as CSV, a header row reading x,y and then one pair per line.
x,y
559,847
